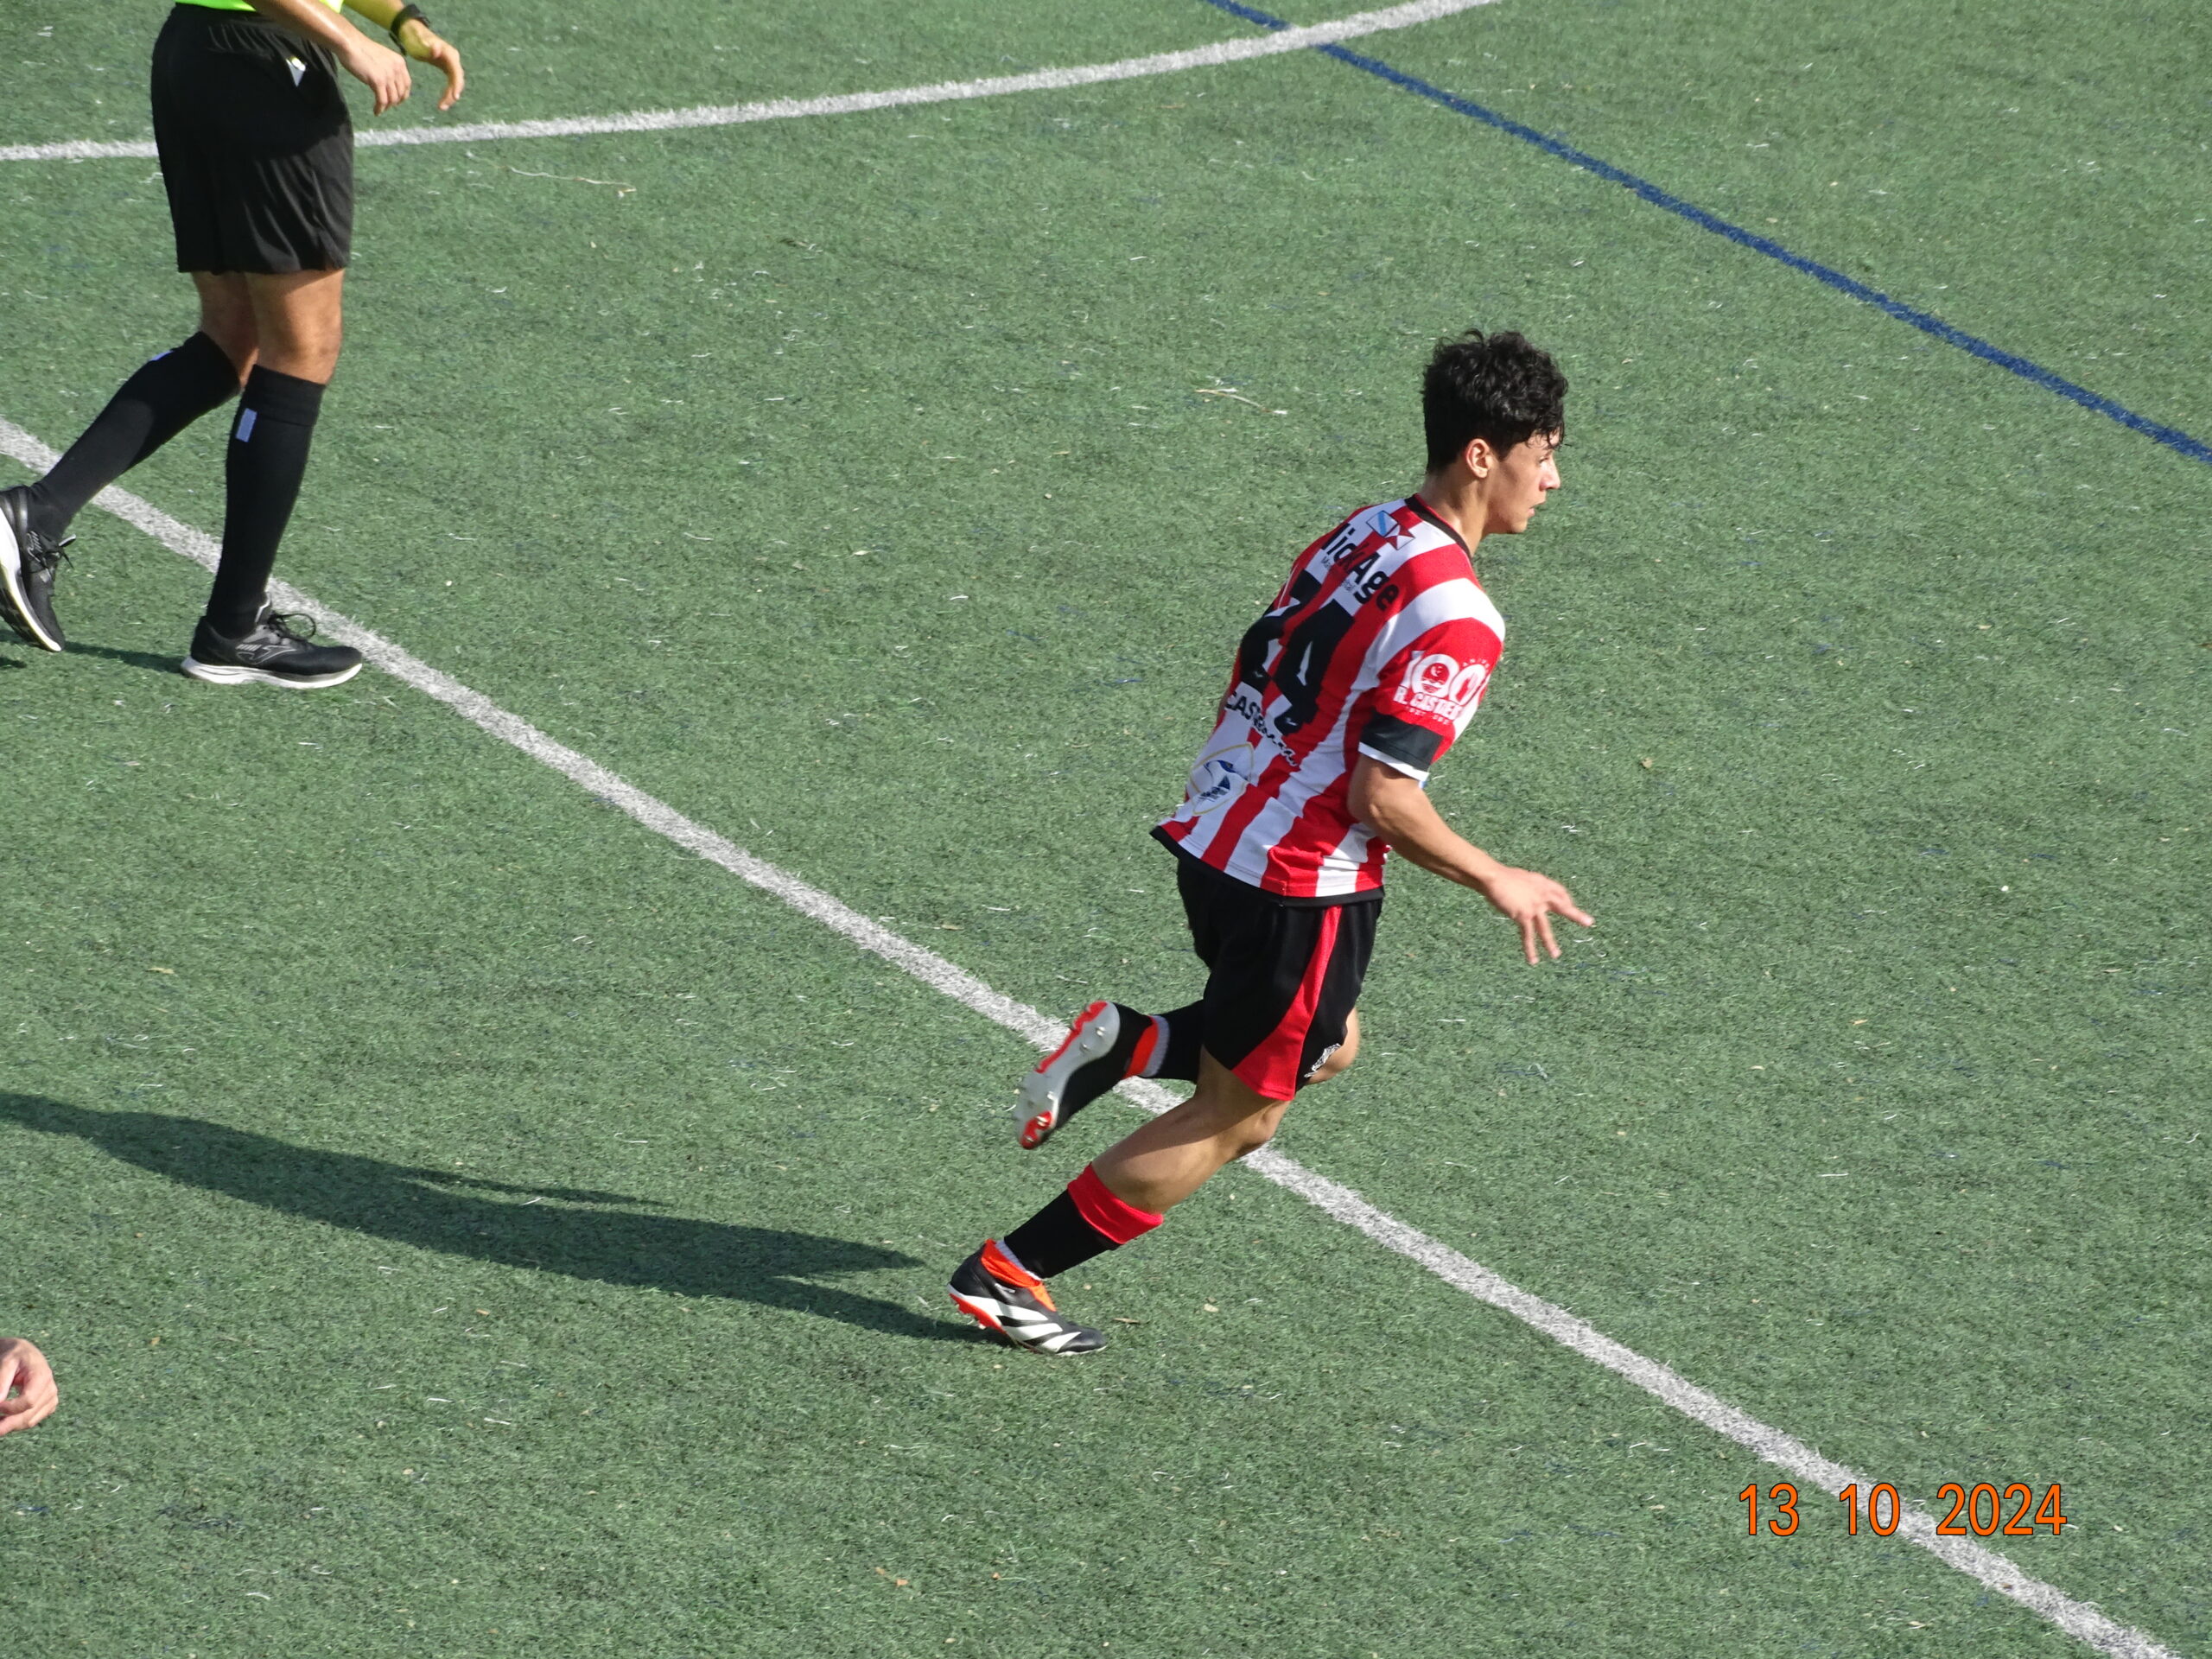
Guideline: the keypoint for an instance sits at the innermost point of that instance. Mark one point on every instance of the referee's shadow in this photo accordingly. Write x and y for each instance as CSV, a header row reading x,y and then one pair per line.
x,y
13,654
171,662
546,1229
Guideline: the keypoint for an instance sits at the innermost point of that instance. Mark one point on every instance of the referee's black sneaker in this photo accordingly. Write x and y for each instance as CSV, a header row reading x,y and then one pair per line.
x,y
28,560
273,652
1004,1297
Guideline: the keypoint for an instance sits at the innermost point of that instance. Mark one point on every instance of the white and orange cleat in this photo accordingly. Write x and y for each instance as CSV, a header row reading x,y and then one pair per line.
x,y
1107,1043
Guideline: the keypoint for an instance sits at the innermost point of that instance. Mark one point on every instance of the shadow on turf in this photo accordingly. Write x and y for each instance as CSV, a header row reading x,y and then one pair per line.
x,y
419,1207
171,664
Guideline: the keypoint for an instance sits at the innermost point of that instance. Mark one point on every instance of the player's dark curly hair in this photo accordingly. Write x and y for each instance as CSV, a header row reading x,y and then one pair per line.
x,y
1494,386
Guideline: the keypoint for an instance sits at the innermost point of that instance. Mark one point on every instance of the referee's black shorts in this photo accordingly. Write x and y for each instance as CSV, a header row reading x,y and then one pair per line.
x,y
257,148
1283,977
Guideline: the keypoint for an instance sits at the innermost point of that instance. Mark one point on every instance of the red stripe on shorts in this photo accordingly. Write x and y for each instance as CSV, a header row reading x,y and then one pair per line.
x,y
1272,1068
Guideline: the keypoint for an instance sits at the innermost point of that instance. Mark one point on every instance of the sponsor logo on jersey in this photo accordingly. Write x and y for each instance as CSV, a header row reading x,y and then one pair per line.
x,y
1441,685
1245,702
1221,772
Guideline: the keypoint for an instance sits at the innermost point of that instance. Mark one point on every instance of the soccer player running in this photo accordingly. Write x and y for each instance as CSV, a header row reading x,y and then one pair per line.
x,y
1344,695
256,154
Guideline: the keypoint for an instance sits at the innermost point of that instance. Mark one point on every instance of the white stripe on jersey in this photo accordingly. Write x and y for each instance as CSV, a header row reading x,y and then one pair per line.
x,y
1447,601
1334,756
1300,840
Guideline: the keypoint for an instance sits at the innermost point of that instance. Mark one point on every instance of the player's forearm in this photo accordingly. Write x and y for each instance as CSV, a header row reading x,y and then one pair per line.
x,y
1396,809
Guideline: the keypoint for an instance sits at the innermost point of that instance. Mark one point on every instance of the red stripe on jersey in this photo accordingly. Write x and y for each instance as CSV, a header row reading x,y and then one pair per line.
x,y
1239,820
1381,635
1322,828
1272,1070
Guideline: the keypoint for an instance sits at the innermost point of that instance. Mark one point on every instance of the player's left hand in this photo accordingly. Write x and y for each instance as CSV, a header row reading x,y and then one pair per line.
x,y
1529,899
425,48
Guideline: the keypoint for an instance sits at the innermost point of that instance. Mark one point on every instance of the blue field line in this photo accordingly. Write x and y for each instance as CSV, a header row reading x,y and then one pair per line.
x,y
2172,437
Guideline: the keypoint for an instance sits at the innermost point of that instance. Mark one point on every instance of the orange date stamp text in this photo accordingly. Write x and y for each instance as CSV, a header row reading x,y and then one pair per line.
x,y
1979,1510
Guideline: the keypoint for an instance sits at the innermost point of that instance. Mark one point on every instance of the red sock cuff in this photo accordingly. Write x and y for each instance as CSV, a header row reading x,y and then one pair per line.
x,y
1114,1218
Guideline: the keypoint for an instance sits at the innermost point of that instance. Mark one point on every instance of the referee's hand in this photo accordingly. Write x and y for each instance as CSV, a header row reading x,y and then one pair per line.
x,y
379,68
425,48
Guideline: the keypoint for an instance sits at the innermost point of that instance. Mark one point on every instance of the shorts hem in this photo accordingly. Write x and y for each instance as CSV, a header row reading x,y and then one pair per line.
x,y
1260,1060
269,267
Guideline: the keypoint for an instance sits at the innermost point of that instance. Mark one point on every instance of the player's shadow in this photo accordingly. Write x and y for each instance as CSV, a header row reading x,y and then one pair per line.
x,y
548,1229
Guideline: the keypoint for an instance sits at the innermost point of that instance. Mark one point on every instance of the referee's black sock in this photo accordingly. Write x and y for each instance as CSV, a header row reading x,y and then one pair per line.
x,y
152,406
268,456
1182,1034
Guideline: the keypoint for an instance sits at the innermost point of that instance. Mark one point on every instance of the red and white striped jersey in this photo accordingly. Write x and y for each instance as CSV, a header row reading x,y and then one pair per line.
x,y
1380,644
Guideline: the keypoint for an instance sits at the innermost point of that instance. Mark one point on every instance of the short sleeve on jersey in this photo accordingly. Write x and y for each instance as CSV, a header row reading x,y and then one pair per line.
x,y
1426,695
1401,744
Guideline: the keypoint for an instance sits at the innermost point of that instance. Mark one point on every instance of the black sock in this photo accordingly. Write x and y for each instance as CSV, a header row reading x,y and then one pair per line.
x,y
1091,1081
1055,1239
1087,1219
267,457
1178,1057
152,406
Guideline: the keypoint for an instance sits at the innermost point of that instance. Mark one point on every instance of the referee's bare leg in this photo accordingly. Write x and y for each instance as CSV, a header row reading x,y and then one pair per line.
x,y
274,335
293,323
281,333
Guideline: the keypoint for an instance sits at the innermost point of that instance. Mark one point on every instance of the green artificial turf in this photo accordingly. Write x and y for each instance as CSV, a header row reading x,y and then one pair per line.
x,y
475,1226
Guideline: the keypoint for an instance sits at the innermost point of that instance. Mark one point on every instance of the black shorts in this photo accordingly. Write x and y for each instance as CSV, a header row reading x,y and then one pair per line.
x,y
1282,978
256,146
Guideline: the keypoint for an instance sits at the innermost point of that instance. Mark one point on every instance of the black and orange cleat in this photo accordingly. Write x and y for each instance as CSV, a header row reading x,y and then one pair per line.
x,y
1107,1043
1004,1297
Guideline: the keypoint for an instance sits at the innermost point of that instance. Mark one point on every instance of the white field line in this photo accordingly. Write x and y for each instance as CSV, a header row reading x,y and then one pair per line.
x,y
1243,48
1799,1460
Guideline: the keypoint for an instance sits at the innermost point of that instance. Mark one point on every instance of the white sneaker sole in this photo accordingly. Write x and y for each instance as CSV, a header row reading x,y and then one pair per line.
x,y
20,616
231,673
1043,1090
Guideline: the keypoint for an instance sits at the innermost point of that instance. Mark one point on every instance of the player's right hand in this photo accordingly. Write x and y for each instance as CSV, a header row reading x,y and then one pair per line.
x,y
380,69
25,1374
1529,900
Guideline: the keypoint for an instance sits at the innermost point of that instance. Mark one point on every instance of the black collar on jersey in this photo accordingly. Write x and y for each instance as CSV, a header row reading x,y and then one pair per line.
x,y
1428,512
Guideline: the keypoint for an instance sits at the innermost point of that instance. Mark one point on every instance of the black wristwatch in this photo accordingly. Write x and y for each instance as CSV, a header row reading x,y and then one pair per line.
x,y
409,13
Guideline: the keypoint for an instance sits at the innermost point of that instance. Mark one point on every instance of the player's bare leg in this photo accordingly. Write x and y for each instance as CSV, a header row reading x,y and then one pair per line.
x,y
1162,1163
1121,1196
